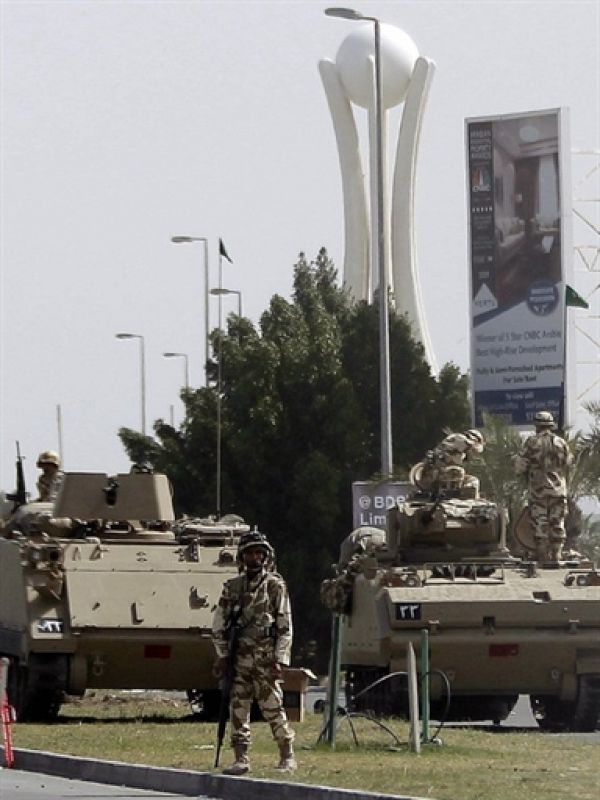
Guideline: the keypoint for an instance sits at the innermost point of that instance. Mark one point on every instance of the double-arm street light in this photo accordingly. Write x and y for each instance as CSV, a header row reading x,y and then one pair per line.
x,y
221,291
379,255
142,371
191,240
186,365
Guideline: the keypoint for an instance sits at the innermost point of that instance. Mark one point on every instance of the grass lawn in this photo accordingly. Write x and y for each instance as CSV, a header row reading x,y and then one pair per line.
x,y
469,765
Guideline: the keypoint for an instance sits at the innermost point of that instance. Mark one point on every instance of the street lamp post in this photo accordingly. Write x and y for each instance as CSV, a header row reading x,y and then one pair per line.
x,y
379,254
186,365
142,371
221,291
191,240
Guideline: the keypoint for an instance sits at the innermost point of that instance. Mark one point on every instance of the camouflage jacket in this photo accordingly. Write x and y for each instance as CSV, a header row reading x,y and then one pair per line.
x,y
48,486
264,614
544,459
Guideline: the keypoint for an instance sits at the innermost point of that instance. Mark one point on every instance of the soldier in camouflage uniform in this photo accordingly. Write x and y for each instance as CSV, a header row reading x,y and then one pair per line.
x,y
257,602
443,467
544,459
51,478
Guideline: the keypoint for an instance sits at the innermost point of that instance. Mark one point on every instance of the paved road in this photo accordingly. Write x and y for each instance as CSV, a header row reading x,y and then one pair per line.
x,y
520,717
17,785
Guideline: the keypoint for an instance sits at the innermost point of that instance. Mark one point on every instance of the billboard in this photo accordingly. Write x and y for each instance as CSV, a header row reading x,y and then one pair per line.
x,y
519,237
371,500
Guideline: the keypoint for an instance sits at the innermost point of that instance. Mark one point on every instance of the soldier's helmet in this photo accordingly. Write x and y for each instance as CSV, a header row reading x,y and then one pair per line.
x,y
475,439
254,539
544,419
48,457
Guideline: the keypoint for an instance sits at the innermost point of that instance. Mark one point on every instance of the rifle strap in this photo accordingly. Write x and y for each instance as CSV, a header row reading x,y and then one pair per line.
x,y
235,617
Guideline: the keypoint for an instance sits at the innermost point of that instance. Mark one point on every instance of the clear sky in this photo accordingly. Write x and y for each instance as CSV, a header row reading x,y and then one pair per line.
x,y
125,122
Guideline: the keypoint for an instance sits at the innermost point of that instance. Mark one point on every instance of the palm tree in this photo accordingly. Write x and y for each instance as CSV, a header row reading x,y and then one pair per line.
x,y
495,467
584,481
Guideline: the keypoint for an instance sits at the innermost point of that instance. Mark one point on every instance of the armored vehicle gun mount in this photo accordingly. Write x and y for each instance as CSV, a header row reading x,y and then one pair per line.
x,y
104,590
499,625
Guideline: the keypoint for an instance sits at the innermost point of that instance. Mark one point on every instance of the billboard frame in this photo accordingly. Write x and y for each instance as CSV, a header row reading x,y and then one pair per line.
x,y
484,247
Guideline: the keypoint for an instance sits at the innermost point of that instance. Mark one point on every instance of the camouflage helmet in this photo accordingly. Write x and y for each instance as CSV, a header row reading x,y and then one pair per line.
x,y
254,539
48,457
544,419
475,439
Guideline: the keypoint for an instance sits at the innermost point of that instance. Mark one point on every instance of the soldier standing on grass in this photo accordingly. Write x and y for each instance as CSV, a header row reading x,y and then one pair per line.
x,y
544,459
257,603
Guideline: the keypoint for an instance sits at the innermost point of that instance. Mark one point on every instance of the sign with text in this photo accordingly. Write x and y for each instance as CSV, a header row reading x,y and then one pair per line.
x,y
372,500
518,235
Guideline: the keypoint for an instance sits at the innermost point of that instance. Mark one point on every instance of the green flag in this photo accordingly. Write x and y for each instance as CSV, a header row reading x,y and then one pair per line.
x,y
574,299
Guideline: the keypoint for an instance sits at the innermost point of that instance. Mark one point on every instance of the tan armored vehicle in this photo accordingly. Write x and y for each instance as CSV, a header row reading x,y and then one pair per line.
x,y
499,625
103,591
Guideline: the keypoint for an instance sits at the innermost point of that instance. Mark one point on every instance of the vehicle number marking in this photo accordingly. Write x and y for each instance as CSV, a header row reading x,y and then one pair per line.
x,y
408,611
50,626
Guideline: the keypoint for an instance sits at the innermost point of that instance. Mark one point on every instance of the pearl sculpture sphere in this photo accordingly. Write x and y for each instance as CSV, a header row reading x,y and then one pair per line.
x,y
398,54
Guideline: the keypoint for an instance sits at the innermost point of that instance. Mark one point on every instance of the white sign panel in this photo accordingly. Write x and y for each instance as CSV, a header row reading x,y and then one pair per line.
x,y
371,501
518,243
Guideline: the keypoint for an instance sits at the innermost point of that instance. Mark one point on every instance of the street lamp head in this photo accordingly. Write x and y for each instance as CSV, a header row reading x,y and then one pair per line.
x,y
343,13
188,239
222,291
128,336
174,355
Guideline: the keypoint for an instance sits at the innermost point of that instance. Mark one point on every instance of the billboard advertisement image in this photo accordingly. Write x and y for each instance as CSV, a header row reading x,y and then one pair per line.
x,y
519,257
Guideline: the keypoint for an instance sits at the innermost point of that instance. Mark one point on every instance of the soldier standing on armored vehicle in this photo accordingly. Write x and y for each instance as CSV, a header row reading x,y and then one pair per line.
x,y
51,478
544,459
256,605
443,467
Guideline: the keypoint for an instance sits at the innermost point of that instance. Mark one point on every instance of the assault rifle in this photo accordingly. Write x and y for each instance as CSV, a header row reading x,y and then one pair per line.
x,y
19,496
226,684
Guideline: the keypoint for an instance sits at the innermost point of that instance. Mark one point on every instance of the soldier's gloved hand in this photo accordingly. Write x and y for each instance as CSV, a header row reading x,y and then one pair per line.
x,y
219,667
277,670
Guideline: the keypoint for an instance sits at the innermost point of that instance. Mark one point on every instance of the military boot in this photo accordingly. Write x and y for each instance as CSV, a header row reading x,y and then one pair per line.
x,y
287,761
241,765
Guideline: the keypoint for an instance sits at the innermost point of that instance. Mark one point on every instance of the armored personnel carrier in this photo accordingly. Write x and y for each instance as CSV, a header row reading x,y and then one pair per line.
x,y
103,590
499,625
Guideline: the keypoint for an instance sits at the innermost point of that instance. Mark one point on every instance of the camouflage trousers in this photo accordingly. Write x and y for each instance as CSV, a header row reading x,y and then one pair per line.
x,y
548,518
254,680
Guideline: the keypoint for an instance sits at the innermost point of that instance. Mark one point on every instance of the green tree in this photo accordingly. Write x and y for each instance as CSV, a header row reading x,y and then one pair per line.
x,y
299,423
589,539
584,481
584,474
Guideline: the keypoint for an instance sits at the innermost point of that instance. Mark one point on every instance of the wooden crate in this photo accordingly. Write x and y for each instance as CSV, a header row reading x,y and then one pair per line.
x,y
295,684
